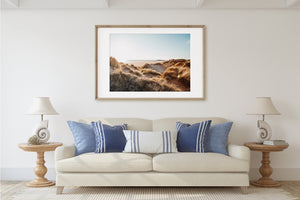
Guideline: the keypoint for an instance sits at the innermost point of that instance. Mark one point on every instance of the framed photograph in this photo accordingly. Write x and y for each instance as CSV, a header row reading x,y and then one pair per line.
x,y
150,62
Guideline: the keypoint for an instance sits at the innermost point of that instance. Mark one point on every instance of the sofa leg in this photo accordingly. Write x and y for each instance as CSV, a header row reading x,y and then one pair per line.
x,y
244,189
59,189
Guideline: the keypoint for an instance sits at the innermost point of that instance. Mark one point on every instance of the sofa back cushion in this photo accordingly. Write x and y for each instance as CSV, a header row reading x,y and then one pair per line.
x,y
153,125
170,123
132,123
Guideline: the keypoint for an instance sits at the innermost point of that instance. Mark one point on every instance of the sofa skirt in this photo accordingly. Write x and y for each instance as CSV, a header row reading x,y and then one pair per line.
x,y
152,179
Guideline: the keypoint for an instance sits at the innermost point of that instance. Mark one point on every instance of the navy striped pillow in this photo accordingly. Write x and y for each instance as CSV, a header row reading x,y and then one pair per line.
x,y
109,138
191,138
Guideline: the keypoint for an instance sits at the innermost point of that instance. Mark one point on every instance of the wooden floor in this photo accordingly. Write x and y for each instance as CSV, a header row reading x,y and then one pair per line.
x,y
9,188
292,187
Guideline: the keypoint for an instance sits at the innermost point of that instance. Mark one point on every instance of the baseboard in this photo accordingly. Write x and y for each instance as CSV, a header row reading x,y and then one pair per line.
x,y
26,174
279,174
23,174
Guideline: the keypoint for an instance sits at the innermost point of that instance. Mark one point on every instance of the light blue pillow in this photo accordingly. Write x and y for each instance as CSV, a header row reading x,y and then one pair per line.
x,y
109,138
191,138
216,140
84,137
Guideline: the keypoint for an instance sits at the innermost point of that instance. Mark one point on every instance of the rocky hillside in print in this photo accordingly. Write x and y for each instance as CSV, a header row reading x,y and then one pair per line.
x,y
171,75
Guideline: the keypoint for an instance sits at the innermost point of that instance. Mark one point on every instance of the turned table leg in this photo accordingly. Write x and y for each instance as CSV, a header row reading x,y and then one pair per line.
x,y
266,171
40,170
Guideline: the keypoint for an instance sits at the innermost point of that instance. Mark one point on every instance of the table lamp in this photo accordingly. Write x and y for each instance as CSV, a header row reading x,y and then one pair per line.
x,y
42,106
263,106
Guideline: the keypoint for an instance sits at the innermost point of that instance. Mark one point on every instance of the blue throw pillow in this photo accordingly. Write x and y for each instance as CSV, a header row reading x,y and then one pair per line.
x,y
109,138
84,137
216,140
191,138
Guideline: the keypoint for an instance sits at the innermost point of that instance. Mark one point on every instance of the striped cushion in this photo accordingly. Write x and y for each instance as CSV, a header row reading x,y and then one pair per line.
x,y
191,138
109,138
150,142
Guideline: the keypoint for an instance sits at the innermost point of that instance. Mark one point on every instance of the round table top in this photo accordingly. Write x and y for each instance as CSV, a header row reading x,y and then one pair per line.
x,y
254,146
49,146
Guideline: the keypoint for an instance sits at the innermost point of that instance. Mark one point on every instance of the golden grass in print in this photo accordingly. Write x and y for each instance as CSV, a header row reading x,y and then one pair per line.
x,y
150,62
170,75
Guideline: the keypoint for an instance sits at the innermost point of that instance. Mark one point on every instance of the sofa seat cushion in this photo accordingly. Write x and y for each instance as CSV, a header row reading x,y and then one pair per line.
x,y
106,162
198,162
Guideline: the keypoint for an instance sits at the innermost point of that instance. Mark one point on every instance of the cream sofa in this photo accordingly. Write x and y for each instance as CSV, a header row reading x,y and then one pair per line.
x,y
137,169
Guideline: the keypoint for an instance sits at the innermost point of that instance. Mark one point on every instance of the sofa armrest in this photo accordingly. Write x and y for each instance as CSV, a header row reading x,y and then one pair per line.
x,y
64,152
239,152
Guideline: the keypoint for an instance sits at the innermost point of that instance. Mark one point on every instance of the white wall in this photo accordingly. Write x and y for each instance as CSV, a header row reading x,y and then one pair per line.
x,y
51,53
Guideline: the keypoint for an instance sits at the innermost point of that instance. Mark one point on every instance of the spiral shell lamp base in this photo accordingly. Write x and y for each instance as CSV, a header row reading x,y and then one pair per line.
x,y
264,131
42,131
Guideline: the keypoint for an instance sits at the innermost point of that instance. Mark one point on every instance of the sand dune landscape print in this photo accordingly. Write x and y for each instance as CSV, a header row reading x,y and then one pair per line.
x,y
149,62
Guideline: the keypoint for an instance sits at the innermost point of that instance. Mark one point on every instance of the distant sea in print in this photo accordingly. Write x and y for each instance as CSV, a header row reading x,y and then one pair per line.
x,y
149,62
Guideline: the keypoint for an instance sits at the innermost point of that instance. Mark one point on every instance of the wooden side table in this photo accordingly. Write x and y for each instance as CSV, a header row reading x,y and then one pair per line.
x,y
265,169
40,170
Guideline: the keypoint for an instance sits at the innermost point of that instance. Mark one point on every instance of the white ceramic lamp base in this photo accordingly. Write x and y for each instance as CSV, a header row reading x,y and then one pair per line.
x,y
264,131
42,131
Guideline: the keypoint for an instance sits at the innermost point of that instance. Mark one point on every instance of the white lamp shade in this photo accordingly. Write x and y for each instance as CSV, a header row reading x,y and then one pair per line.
x,y
41,106
264,106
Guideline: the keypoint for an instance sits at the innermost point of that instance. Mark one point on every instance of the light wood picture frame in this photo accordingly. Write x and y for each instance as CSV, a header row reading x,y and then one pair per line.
x,y
149,62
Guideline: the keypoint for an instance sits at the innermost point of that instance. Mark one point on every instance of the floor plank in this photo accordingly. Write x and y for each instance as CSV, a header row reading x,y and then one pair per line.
x,y
9,188
292,187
